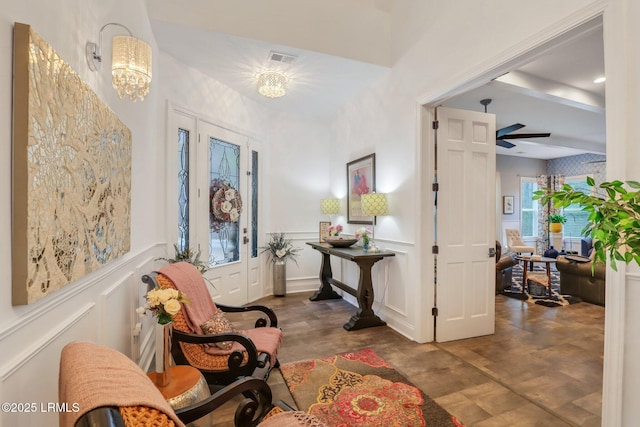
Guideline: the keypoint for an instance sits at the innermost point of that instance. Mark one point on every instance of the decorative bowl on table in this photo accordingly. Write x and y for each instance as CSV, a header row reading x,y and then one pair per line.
x,y
340,242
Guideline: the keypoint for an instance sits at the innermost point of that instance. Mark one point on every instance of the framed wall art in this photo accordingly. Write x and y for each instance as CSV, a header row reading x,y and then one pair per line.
x,y
71,174
361,179
324,230
507,205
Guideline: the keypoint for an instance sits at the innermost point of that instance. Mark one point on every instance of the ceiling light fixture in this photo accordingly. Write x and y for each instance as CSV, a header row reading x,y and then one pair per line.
x,y
600,80
272,84
130,63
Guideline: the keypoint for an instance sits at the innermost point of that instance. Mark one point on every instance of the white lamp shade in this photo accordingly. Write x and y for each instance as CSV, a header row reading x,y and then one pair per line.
x,y
330,206
374,204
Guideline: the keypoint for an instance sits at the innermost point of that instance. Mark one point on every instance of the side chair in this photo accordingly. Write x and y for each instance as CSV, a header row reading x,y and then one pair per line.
x,y
515,243
252,352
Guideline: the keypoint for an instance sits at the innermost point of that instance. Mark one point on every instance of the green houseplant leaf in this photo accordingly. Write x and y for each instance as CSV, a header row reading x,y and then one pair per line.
x,y
614,217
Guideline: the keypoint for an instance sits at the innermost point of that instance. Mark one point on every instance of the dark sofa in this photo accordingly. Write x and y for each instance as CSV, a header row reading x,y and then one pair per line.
x,y
578,279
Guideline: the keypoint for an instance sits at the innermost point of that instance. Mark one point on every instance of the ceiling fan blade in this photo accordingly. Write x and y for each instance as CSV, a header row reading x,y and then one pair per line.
x,y
525,135
503,143
503,131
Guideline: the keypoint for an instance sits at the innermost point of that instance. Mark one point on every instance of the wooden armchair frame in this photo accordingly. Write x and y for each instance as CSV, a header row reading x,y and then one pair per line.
x,y
218,369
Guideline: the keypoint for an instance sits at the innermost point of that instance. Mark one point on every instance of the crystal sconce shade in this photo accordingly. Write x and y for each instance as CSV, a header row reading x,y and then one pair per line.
x,y
130,63
272,84
330,206
131,67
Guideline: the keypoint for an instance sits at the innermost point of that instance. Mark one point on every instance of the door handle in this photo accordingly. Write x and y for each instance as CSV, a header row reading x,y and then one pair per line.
x,y
492,252
245,240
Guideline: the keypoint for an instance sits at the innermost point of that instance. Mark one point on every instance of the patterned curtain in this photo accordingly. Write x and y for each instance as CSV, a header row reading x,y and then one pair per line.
x,y
554,183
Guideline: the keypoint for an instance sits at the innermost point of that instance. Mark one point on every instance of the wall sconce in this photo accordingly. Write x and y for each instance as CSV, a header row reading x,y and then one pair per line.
x,y
272,84
330,206
130,63
374,204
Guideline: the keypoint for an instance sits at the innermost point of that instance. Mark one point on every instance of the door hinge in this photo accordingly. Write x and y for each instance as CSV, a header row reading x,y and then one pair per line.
x,y
434,311
435,124
248,173
434,249
435,186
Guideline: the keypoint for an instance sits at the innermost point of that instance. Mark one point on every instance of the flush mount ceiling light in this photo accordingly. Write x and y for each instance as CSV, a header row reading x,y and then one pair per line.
x,y
130,63
272,84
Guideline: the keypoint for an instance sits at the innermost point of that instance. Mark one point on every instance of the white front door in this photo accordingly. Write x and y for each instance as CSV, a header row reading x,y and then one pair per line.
x,y
465,224
224,201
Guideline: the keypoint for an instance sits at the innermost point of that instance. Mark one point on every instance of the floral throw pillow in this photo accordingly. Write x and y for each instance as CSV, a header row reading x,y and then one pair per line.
x,y
219,324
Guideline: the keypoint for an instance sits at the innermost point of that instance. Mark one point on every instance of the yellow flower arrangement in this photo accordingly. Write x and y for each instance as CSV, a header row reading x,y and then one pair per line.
x,y
164,303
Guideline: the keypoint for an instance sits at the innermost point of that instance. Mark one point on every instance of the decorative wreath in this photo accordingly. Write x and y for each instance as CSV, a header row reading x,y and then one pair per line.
x,y
225,204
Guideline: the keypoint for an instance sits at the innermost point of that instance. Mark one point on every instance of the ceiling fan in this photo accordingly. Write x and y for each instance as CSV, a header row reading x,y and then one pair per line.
x,y
503,134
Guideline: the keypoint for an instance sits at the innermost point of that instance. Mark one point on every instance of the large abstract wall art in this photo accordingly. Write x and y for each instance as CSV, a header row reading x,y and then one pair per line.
x,y
71,174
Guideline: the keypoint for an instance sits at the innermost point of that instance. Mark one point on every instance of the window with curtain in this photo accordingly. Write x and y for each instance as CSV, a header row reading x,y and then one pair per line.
x,y
528,207
576,218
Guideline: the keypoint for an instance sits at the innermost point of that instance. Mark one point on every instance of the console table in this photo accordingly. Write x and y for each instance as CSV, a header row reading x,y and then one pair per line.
x,y
364,317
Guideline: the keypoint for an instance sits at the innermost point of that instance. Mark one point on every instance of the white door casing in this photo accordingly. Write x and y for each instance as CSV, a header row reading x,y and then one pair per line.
x,y
465,224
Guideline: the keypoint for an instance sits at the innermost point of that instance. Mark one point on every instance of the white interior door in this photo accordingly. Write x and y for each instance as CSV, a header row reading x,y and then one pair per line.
x,y
224,206
465,224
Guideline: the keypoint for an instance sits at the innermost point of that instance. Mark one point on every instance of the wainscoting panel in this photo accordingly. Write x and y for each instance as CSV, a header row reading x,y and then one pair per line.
x,y
143,327
31,377
115,303
98,308
395,294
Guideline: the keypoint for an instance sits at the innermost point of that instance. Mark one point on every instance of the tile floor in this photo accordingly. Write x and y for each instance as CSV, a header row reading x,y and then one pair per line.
x,y
542,367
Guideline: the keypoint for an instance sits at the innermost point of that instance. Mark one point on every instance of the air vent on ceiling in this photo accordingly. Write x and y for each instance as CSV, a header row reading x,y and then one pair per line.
x,y
281,57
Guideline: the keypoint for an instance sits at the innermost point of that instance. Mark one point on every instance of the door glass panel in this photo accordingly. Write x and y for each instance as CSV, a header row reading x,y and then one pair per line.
x,y
225,205
254,204
183,189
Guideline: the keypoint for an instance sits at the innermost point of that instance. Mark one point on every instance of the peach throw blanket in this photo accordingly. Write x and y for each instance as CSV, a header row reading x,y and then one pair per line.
x,y
186,278
93,376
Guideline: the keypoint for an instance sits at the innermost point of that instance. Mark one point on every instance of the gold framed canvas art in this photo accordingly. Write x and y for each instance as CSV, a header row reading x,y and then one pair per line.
x,y
71,174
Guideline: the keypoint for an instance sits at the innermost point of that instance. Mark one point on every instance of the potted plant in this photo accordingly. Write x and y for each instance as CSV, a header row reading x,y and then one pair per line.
x,y
556,221
614,217
187,255
279,249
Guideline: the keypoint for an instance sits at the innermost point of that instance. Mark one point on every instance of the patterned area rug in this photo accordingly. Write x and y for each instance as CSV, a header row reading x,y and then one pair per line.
x,y
538,294
361,389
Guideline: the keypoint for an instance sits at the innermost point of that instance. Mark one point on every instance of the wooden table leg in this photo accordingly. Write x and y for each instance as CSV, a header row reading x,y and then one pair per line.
x,y
325,291
524,277
549,277
364,317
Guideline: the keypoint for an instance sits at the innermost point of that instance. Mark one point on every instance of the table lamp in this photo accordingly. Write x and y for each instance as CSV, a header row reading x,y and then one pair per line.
x,y
330,207
374,204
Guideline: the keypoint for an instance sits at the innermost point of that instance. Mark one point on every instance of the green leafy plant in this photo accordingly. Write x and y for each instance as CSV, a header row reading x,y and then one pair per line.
x,y
187,255
280,247
614,217
557,218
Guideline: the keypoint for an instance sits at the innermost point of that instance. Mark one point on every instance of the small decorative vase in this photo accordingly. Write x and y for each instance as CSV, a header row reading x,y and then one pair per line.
x,y
365,245
163,353
551,253
279,277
